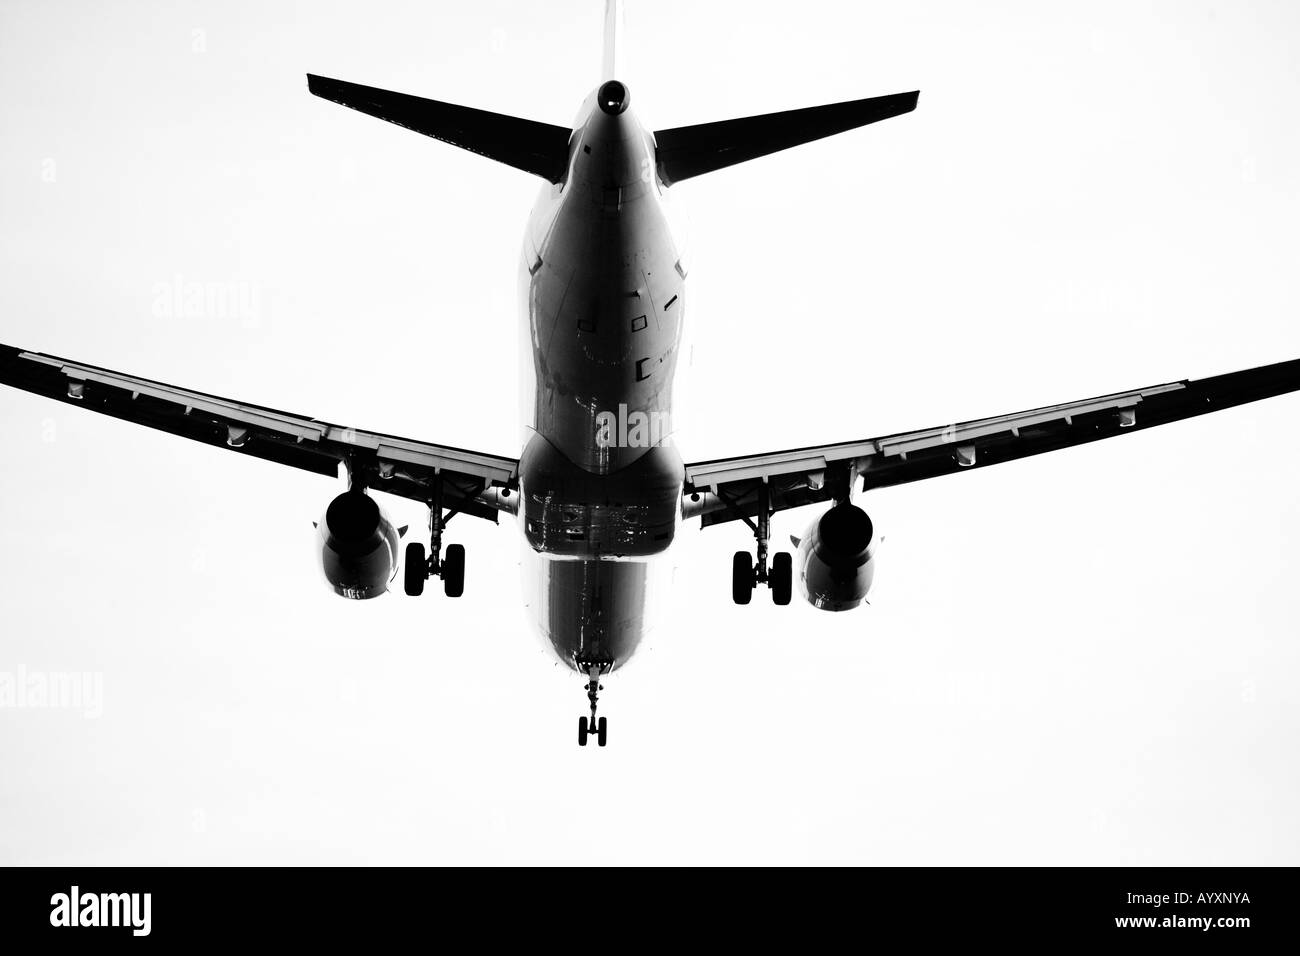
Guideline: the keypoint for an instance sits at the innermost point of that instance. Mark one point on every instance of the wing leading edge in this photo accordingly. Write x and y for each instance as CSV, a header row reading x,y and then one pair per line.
x,y
474,483
728,488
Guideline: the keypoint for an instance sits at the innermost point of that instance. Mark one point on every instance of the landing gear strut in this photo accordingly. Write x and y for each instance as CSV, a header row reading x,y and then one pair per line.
x,y
597,727
748,572
449,566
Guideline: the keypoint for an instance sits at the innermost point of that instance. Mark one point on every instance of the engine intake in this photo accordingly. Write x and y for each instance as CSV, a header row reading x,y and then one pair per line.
x,y
836,558
358,546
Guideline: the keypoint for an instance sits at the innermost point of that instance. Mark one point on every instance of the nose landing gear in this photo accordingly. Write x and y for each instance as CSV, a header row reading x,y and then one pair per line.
x,y
597,727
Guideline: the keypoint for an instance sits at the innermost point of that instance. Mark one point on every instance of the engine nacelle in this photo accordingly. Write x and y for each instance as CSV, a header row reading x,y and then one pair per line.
x,y
836,559
358,546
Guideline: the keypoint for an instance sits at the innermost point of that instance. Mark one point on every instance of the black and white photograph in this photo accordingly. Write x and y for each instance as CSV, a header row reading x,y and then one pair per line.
x,y
564,434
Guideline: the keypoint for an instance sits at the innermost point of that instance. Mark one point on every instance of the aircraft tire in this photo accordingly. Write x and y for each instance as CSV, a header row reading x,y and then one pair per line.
x,y
453,571
416,569
742,577
782,577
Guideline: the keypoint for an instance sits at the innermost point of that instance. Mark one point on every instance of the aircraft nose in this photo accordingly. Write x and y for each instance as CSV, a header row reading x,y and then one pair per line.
x,y
613,98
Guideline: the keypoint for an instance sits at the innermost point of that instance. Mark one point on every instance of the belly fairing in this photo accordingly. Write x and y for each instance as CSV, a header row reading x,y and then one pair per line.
x,y
569,511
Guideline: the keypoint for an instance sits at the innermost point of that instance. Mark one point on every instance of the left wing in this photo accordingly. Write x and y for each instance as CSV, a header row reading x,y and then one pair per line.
x,y
472,483
732,488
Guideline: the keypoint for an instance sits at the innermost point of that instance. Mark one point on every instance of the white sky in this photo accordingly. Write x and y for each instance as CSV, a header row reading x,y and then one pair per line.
x,y
1088,657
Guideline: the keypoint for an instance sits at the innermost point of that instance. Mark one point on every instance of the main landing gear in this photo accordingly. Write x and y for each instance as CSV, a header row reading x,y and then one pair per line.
x,y
449,566
748,572
594,726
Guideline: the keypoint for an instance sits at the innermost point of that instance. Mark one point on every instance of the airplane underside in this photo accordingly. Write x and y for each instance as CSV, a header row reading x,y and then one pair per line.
x,y
599,491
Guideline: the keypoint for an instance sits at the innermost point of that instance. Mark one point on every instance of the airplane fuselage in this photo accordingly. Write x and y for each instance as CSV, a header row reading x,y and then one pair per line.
x,y
604,296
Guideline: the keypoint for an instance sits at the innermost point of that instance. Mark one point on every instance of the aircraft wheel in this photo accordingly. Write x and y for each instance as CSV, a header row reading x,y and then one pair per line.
x,y
600,732
582,731
782,577
742,577
416,569
453,571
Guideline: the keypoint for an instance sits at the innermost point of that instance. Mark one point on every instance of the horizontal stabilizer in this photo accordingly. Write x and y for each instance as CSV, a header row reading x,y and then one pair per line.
x,y
537,148
691,150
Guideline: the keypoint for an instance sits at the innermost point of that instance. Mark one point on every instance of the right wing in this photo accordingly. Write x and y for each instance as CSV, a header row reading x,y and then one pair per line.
x,y
472,483
732,488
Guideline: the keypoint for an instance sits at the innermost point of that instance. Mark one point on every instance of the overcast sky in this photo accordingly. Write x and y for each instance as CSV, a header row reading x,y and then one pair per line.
x,y
1088,657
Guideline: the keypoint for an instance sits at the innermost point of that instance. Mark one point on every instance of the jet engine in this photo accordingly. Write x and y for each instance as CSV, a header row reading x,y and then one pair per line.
x,y
836,558
358,546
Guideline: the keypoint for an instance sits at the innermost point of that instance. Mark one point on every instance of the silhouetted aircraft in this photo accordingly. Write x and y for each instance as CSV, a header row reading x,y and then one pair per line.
x,y
598,489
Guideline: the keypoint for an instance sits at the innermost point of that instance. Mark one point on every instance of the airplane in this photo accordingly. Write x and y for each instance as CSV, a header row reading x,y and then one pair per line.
x,y
599,490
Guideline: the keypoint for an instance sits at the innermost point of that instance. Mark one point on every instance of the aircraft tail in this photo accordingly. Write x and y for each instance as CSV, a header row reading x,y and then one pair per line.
x,y
537,148
692,150
613,45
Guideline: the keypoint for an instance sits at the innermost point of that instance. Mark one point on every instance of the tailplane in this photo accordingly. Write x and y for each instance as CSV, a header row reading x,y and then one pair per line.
x,y
537,148
693,150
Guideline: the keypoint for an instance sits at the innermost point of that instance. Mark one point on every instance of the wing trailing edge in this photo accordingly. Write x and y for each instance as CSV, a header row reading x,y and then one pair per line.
x,y
726,489
476,483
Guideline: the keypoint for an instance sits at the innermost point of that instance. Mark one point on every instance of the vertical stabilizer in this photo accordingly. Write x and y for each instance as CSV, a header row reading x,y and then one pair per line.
x,y
612,59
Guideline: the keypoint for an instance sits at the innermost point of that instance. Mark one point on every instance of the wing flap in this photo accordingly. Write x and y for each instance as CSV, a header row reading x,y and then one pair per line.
x,y
984,428
388,463
249,414
727,489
